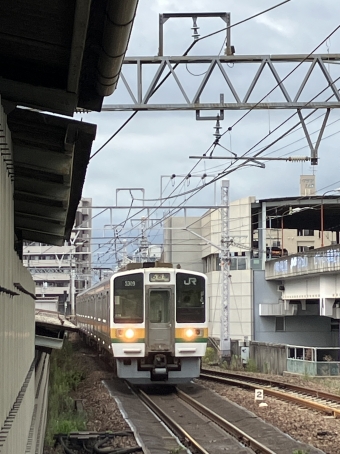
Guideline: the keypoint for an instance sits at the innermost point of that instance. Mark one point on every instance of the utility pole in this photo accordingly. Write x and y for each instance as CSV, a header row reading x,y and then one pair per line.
x,y
72,291
225,270
72,273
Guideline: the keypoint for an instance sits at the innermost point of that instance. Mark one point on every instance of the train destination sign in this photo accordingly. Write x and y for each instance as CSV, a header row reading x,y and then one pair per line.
x,y
159,277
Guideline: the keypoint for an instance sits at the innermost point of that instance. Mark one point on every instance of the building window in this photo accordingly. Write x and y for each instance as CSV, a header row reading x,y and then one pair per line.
x,y
335,325
211,263
303,248
242,263
305,232
280,324
233,263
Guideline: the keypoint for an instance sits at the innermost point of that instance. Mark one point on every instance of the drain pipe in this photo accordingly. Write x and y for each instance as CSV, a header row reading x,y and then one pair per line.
x,y
120,15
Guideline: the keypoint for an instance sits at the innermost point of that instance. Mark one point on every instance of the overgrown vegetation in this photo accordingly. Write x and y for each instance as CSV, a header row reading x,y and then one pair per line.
x,y
64,378
251,366
210,356
235,363
178,450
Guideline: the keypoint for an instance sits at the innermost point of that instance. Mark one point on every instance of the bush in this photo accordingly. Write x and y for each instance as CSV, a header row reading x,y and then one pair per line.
x,y
210,356
251,366
64,378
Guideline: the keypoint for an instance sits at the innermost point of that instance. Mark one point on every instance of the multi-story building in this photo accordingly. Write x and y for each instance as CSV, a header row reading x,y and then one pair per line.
x,y
195,243
59,272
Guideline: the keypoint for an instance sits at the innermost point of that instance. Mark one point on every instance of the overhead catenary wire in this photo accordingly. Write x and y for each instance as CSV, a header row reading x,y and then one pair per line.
x,y
227,170
212,144
282,80
268,212
187,192
266,95
295,130
175,66
224,172
197,189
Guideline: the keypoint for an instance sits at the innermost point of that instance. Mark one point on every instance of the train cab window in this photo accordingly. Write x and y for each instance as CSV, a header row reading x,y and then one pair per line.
x,y
190,298
159,306
128,298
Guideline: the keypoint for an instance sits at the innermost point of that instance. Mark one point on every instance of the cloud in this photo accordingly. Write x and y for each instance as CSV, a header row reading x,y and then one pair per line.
x,y
155,145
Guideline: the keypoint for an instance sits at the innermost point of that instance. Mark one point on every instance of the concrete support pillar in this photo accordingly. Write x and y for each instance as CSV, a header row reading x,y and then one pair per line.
x,y
326,307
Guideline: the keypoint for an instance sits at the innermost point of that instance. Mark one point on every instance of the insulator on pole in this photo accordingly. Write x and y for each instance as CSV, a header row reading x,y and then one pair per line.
x,y
298,158
217,128
195,29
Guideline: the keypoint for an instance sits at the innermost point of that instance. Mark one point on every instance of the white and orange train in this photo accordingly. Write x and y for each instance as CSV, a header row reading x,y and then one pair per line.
x,y
152,320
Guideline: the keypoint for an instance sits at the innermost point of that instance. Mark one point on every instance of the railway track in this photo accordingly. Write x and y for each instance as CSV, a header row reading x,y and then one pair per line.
x,y
238,440
203,430
317,400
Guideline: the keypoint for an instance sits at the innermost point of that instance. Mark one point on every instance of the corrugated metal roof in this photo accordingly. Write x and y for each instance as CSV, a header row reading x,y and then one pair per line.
x,y
56,56
50,160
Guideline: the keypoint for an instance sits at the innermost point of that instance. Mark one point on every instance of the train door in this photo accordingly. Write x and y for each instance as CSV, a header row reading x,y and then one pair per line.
x,y
160,319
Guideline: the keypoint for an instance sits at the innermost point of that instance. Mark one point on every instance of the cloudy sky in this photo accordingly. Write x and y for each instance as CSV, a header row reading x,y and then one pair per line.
x,y
155,145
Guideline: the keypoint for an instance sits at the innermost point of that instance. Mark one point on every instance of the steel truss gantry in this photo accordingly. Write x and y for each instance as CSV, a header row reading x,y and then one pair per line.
x,y
280,96
141,92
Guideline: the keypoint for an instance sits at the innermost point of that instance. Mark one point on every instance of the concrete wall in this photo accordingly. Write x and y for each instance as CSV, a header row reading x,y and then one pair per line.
x,y
180,245
240,300
305,328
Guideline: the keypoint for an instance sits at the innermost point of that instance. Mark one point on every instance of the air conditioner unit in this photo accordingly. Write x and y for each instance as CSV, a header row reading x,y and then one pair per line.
x,y
280,288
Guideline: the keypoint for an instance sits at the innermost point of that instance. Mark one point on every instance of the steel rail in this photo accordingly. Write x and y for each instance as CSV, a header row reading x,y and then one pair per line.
x,y
241,436
176,428
279,384
252,383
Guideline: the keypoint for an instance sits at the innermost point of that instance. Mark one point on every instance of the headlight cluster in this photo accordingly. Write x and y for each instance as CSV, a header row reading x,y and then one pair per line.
x,y
192,333
127,333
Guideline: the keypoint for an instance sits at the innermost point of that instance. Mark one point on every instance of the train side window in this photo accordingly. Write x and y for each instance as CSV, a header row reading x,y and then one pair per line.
x,y
129,298
190,298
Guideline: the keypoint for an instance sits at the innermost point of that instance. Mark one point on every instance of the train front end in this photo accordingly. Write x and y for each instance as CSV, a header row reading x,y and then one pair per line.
x,y
159,328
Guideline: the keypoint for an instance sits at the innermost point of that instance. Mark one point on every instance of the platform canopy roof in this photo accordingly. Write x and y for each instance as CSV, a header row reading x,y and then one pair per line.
x,y
62,55
57,57
302,212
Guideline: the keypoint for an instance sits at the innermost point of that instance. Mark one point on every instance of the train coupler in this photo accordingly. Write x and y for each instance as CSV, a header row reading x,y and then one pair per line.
x,y
159,370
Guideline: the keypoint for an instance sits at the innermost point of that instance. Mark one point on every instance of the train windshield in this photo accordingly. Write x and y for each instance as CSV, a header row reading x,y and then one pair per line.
x,y
190,298
128,298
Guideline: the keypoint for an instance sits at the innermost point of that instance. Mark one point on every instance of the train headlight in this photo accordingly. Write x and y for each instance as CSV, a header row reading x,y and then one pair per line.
x,y
129,333
189,333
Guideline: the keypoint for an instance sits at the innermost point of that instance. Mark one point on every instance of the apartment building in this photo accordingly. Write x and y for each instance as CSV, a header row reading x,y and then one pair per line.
x,y
59,272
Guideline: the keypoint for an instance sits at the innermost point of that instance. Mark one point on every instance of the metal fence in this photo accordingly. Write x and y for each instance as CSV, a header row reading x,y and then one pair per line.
x,y
313,361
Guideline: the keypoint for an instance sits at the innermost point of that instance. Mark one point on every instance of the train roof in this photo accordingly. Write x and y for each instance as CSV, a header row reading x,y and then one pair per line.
x,y
133,267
